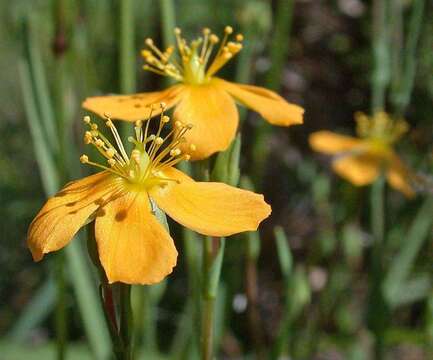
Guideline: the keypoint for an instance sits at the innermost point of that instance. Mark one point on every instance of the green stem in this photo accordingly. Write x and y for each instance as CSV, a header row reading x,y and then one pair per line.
x,y
208,315
61,328
280,43
278,54
168,21
127,48
380,47
378,309
125,330
126,54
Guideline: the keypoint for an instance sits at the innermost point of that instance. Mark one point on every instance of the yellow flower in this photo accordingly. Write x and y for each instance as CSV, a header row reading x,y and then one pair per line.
x,y
200,98
133,246
361,160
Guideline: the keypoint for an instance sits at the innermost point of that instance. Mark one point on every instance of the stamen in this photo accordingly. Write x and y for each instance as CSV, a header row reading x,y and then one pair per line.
x,y
194,56
146,163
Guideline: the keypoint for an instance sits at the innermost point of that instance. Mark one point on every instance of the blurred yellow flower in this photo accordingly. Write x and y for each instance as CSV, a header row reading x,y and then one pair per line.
x,y
200,98
133,246
360,160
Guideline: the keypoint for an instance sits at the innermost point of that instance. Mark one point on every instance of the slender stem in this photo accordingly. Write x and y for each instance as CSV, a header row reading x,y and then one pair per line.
x,y
127,82
168,21
127,48
280,42
208,315
252,293
380,47
378,310
61,329
125,330
278,54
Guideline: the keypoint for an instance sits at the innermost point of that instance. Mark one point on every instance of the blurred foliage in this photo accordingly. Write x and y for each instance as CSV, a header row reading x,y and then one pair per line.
x,y
311,300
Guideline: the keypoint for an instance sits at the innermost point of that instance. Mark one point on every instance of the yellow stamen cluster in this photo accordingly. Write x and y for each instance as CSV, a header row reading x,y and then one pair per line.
x,y
380,127
193,65
147,161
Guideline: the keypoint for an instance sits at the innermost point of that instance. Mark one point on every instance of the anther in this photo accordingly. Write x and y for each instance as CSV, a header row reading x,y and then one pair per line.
x,y
138,123
84,159
94,127
162,105
175,152
111,162
239,37
213,39
177,31
86,119
159,141
187,157
206,31
99,143
228,29
165,119
149,42
111,152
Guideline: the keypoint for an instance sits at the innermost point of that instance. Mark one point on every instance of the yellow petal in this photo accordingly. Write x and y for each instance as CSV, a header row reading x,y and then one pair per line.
x,y
62,215
132,107
268,104
398,176
133,247
331,143
213,209
358,169
213,115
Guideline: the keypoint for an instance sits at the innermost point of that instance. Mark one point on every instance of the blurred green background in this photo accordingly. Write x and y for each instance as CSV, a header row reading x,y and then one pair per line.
x,y
305,286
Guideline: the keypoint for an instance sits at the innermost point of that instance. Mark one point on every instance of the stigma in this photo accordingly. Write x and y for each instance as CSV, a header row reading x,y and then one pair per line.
x,y
152,153
194,62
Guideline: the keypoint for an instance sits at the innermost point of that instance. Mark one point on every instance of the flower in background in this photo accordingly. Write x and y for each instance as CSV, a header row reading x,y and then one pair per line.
x,y
362,159
199,97
133,246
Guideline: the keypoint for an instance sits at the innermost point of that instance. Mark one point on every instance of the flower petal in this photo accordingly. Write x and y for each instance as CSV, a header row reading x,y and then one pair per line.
x,y
360,169
398,176
213,209
274,109
62,215
331,143
133,247
132,107
214,117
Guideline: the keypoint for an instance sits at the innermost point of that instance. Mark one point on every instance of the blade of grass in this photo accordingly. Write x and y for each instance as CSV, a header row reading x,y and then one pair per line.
x,y
35,312
402,264
81,281
280,42
41,90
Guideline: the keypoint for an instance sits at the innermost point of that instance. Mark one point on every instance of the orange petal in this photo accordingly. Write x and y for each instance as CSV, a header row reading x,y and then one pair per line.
x,y
268,104
331,143
62,215
358,169
132,107
214,117
213,209
399,176
133,247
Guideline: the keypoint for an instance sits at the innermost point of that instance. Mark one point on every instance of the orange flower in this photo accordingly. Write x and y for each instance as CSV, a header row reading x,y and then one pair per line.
x,y
133,246
361,160
200,98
